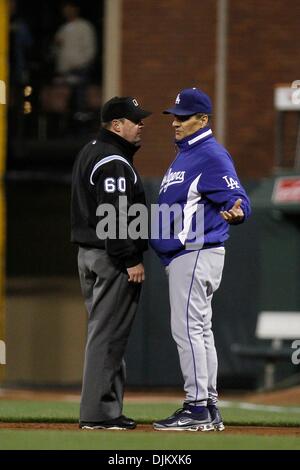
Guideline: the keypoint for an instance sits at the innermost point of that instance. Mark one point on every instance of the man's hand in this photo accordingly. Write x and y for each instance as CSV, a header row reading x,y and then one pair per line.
x,y
235,214
136,273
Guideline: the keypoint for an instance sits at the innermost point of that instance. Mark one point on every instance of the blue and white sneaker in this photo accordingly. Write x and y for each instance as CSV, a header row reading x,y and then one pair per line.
x,y
186,420
216,418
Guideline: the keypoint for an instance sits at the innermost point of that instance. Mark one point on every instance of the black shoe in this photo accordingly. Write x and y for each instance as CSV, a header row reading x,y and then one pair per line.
x,y
121,423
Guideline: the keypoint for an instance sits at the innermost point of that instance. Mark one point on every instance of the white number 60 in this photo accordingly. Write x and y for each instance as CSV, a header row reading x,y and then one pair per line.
x,y
110,185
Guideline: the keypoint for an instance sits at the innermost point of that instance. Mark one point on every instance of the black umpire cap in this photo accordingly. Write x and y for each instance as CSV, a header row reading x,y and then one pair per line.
x,y
123,107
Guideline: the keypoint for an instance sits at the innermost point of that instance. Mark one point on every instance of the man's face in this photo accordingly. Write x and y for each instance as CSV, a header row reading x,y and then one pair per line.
x,y
131,131
188,126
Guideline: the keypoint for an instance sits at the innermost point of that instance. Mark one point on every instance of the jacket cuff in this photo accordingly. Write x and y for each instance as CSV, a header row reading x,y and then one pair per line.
x,y
133,261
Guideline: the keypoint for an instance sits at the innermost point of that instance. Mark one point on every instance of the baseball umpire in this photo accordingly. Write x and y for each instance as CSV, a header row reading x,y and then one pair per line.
x,y
203,183
110,267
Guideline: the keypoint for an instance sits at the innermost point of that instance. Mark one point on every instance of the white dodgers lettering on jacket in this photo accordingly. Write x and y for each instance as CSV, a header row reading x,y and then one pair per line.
x,y
170,178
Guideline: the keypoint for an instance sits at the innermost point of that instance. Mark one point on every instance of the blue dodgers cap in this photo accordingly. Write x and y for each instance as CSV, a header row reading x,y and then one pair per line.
x,y
190,101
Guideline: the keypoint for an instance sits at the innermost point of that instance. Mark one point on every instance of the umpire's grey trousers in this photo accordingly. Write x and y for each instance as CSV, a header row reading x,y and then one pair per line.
x,y
193,278
111,302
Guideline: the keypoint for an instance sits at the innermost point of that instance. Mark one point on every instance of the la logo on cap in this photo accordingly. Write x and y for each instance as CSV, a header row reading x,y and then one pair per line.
x,y
135,102
177,101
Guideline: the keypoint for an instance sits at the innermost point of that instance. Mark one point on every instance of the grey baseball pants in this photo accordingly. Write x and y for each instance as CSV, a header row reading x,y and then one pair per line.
x,y
111,302
193,278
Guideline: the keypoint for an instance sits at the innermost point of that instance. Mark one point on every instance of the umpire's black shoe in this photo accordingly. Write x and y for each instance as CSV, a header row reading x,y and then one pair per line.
x,y
120,423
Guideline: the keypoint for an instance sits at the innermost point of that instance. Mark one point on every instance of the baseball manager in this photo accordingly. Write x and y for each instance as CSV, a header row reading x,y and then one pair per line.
x,y
203,183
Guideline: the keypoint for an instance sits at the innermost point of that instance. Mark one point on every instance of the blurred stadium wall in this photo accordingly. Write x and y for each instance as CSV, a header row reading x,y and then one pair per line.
x,y
171,44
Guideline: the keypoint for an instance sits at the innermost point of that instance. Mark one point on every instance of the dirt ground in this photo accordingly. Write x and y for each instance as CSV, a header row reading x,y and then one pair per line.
x,y
289,396
280,397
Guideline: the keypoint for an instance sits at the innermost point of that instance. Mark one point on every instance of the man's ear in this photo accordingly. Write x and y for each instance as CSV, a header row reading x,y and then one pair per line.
x,y
116,126
204,119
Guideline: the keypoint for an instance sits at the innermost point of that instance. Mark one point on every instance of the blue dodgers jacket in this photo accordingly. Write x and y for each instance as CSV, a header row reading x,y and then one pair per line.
x,y
200,183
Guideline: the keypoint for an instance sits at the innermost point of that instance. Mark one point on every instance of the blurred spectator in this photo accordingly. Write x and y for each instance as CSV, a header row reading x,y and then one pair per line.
x,y
20,44
53,119
94,98
55,98
75,50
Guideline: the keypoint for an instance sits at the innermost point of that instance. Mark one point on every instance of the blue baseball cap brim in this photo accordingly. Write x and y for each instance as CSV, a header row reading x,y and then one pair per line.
x,y
179,111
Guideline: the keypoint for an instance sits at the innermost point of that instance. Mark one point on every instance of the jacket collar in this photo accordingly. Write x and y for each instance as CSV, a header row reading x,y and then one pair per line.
x,y
112,138
195,139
